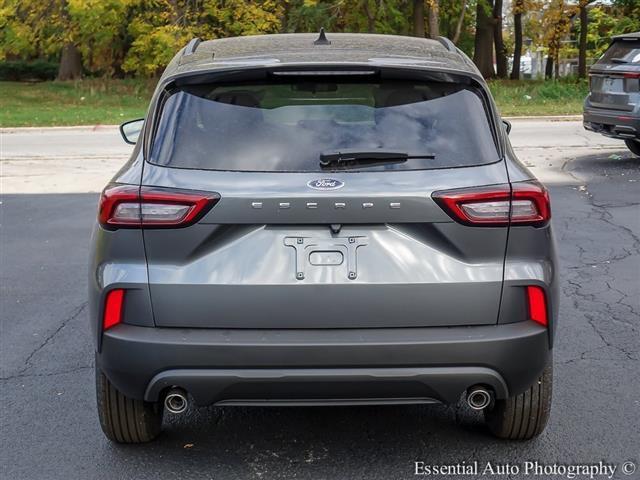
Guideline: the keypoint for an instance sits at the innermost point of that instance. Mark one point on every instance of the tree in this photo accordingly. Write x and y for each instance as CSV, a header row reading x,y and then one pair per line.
x,y
31,28
98,30
582,44
557,21
371,16
518,10
483,46
434,20
460,22
159,27
139,37
501,53
309,16
457,22
418,18
70,63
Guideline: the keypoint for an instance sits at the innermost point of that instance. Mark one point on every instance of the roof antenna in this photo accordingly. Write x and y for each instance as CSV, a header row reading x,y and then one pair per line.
x,y
322,38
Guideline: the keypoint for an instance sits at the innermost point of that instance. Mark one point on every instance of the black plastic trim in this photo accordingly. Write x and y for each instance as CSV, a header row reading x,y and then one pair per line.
x,y
132,356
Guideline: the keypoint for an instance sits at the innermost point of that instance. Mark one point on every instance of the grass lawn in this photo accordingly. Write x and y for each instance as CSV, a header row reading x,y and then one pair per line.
x,y
86,102
538,97
94,101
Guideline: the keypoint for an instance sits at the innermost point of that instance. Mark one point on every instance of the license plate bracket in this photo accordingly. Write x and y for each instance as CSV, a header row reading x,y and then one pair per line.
x,y
306,247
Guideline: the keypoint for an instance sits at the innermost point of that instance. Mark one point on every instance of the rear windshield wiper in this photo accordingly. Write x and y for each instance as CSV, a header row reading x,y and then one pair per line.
x,y
357,158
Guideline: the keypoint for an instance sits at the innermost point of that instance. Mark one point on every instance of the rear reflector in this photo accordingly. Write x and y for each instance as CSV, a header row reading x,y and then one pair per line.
x,y
537,302
131,206
113,309
525,203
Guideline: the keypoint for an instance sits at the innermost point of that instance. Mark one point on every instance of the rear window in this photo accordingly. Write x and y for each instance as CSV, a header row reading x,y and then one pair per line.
x,y
621,52
287,126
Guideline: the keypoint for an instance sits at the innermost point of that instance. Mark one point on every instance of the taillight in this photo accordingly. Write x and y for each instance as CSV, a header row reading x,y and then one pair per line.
x,y
530,204
632,82
537,305
113,308
525,203
131,206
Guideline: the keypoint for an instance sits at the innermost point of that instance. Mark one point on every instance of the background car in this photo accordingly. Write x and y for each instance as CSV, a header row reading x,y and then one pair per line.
x,y
613,105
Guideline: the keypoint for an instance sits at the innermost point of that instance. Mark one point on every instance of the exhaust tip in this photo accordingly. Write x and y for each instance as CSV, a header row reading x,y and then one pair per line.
x,y
176,401
478,398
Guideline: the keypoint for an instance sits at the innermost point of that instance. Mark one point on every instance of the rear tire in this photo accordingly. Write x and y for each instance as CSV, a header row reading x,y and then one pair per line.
x,y
634,146
124,419
524,416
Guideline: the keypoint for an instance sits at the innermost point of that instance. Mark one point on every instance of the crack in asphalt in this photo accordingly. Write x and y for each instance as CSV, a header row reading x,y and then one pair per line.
x,y
49,374
76,312
581,278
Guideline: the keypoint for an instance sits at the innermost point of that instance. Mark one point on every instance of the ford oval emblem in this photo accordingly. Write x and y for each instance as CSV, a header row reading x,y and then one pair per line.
x,y
325,184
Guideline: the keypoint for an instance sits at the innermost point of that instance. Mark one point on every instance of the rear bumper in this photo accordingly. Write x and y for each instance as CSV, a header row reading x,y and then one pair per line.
x,y
612,123
343,366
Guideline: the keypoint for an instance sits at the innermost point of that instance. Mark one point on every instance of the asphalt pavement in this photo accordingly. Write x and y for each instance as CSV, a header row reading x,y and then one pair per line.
x,y
48,421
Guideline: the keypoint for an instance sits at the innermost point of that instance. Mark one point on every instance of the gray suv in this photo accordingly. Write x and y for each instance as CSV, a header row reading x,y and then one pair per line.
x,y
613,105
322,220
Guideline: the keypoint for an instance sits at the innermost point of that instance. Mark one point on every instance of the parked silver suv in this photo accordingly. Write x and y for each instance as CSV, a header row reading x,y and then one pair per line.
x,y
613,105
322,221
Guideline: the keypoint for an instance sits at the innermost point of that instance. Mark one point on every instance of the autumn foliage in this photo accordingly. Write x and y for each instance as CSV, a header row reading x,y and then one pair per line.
x,y
116,38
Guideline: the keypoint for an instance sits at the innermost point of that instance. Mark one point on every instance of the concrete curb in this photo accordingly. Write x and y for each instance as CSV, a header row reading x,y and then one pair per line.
x,y
75,128
547,118
102,128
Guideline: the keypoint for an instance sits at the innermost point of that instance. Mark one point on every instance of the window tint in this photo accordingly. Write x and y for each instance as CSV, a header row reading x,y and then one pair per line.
x,y
622,51
286,126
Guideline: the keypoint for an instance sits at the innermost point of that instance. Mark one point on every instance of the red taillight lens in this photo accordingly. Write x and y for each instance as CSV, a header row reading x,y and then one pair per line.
x,y
131,206
113,308
524,203
530,204
111,197
537,301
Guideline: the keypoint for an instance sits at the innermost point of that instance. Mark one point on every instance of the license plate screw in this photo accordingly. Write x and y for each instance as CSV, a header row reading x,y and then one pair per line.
x,y
301,240
300,275
352,275
352,240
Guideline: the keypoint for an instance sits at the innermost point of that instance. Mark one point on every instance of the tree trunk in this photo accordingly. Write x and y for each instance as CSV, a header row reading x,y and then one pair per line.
x,y
501,54
70,63
418,18
483,45
548,68
371,17
517,49
456,36
582,49
434,21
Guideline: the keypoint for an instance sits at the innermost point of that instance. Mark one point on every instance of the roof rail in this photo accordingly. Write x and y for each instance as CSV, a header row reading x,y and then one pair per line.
x,y
191,47
446,43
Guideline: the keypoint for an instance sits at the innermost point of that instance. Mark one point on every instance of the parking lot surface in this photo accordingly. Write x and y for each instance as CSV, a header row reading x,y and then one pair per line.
x,y
48,421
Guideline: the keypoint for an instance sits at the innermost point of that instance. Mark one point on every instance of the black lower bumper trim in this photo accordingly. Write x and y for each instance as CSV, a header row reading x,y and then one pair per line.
x,y
325,386
438,363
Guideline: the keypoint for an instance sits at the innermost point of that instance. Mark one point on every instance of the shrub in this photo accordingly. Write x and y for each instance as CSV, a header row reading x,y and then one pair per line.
x,y
22,70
